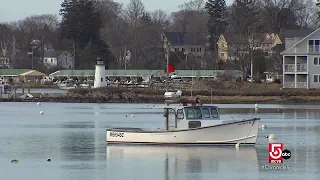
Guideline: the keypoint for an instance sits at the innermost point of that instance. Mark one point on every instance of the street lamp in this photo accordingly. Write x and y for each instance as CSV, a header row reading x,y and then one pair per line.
x,y
33,45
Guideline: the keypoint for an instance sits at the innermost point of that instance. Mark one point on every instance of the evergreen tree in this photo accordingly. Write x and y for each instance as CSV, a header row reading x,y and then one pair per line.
x,y
244,15
318,12
217,11
81,23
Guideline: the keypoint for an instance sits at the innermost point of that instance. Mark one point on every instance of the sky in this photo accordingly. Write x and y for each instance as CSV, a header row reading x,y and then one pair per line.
x,y
13,10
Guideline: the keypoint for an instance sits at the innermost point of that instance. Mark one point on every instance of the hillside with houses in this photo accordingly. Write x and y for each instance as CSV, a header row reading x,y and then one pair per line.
x,y
264,40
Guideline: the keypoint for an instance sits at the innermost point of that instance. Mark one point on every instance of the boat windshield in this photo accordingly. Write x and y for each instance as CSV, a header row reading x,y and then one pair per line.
x,y
193,113
205,113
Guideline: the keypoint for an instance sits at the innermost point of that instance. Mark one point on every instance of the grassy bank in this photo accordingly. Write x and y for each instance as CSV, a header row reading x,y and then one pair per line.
x,y
227,93
209,92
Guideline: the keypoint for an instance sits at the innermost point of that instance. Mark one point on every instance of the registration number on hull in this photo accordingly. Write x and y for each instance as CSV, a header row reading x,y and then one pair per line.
x,y
244,123
116,134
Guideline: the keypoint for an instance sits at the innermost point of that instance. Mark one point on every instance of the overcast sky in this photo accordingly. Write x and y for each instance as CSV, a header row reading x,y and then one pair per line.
x,y
12,10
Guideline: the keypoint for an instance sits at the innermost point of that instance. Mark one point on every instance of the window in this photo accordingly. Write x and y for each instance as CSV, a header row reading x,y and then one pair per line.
x,y
316,61
206,113
101,79
314,45
316,78
190,113
193,113
222,54
214,112
180,114
198,112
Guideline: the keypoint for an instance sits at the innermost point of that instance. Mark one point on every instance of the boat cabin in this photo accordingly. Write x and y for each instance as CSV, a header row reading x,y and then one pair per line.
x,y
188,117
5,91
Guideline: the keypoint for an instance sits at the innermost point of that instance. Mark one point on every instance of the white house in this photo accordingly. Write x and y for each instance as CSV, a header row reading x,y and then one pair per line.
x,y
60,59
50,59
301,59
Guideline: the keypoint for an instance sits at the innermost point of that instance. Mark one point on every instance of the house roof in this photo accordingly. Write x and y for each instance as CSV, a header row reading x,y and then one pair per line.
x,y
52,53
141,72
185,38
235,38
33,73
13,72
305,37
297,33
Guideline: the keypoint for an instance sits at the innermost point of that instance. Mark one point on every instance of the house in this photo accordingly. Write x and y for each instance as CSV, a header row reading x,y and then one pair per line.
x,y
301,59
234,46
192,45
61,59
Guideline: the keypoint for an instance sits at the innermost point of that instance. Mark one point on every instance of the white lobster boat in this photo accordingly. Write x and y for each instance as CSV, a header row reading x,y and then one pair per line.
x,y
193,125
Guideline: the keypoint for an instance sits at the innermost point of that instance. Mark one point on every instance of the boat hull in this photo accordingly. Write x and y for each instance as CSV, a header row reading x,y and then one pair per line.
x,y
244,132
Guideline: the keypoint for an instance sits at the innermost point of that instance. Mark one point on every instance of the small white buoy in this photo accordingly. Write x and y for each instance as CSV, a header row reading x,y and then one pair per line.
x,y
147,105
41,112
256,106
237,145
272,136
132,115
38,103
264,127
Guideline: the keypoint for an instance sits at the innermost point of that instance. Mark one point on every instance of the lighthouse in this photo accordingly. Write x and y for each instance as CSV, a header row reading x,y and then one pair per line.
x,y
100,74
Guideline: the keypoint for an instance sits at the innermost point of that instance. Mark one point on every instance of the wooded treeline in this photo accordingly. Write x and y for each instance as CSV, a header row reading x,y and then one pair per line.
x,y
106,28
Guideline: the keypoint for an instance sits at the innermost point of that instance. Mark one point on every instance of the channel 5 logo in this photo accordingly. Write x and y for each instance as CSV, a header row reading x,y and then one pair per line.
x,y
277,154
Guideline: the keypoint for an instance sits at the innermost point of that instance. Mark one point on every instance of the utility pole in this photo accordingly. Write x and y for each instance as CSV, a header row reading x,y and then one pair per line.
x,y
125,57
13,61
74,53
250,45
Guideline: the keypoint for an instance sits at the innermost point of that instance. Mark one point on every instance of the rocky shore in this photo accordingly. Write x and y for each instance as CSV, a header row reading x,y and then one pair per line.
x,y
219,96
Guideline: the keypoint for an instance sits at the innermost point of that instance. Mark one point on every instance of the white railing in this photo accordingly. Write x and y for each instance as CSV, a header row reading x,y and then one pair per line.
x,y
302,85
289,68
314,48
289,85
302,67
292,85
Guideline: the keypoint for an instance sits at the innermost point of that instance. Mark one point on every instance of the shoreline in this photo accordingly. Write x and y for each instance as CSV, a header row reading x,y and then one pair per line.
x,y
247,94
293,100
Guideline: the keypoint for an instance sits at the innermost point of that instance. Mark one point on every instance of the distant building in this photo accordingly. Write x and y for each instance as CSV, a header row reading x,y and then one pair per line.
x,y
301,59
190,44
58,59
232,46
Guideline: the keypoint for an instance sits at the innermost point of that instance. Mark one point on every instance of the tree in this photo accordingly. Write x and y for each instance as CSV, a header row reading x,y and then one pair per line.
x,y
217,24
244,14
81,23
280,14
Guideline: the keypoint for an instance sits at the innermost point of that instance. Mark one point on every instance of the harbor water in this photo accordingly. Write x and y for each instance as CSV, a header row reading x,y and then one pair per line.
x,y
73,137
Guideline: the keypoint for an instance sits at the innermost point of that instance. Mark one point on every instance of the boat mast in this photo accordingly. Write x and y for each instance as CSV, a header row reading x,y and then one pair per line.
x,y
166,111
166,45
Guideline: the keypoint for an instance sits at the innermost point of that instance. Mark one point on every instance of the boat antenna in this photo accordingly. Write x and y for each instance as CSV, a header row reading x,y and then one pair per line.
x,y
231,117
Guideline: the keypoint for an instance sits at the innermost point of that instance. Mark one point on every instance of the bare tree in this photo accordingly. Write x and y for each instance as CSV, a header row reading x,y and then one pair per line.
x,y
280,14
193,5
306,17
134,12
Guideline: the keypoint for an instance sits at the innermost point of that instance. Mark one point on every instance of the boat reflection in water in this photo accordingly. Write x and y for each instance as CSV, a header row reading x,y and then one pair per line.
x,y
172,162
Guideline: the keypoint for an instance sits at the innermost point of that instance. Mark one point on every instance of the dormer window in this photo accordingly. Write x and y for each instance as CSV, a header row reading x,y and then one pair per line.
x,y
314,46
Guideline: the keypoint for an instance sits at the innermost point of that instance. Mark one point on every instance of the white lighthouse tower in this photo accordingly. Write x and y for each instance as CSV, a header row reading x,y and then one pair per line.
x,y
100,74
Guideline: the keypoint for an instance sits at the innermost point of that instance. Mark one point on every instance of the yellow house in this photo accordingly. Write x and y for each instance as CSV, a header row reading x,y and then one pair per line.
x,y
228,44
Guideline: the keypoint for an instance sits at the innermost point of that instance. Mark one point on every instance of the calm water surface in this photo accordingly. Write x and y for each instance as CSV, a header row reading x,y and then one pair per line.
x,y
73,136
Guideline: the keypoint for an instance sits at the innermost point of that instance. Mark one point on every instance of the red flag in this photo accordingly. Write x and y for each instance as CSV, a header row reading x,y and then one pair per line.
x,y
170,68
